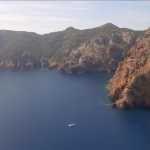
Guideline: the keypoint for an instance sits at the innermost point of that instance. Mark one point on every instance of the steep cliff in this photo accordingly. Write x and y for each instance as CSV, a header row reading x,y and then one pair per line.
x,y
26,60
130,86
99,54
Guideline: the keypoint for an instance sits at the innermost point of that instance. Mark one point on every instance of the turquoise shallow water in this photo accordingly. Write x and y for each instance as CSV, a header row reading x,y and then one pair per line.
x,y
37,105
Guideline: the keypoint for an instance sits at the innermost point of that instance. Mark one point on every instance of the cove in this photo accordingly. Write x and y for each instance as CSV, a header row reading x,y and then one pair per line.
x,y
37,105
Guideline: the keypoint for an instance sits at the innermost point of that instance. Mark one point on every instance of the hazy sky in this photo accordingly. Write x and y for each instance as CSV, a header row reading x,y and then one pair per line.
x,y
49,16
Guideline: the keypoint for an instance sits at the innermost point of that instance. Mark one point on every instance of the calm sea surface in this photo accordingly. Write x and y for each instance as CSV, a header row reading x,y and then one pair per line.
x,y
37,105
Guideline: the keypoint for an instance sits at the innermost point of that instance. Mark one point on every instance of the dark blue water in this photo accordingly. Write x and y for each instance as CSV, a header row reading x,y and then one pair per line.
x,y
36,107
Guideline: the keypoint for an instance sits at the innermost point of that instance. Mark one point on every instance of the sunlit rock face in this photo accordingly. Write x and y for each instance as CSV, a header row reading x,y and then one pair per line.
x,y
100,54
130,85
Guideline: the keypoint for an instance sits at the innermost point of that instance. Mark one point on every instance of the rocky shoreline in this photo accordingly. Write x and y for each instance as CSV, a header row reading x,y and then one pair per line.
x,y
26,60
131,84
120,50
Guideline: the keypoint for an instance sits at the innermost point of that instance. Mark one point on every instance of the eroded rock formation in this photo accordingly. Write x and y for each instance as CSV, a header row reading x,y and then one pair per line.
x,y
26,60
131,84
99,54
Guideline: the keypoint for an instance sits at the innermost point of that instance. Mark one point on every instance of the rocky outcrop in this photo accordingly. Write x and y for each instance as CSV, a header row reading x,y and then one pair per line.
x,y
44,62
128,37
52,66
26,60
148,31
130,85
99,54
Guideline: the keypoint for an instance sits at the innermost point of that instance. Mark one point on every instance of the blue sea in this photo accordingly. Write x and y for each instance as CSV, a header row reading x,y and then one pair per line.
x,y
37,105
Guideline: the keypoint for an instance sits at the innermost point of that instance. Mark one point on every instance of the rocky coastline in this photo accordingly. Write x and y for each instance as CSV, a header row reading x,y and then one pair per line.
x,y
26,60
123,51
99,54
130,85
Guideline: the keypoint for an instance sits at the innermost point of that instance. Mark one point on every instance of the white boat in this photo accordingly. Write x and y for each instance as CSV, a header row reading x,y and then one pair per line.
x,y
71,125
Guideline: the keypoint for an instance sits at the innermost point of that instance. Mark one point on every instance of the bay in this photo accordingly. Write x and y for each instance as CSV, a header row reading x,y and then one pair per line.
x,y
37,105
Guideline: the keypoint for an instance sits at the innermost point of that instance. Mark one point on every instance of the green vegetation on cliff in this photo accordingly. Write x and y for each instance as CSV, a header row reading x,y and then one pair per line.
x,y
51,45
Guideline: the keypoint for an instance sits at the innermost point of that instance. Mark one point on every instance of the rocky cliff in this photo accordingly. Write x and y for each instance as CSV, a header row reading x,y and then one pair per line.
x,y
99,54
26,60
130,86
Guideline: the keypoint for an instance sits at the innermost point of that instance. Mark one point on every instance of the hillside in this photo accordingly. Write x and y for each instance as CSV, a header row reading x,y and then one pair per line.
x,y
60,47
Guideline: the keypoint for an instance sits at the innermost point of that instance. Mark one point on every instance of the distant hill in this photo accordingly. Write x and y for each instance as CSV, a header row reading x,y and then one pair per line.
x,y
53,46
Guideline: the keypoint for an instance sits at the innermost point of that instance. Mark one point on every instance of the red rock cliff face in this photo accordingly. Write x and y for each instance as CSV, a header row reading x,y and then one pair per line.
x,y
131,84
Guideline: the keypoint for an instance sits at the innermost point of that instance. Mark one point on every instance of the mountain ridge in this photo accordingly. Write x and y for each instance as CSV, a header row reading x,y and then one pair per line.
x,y
55,46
